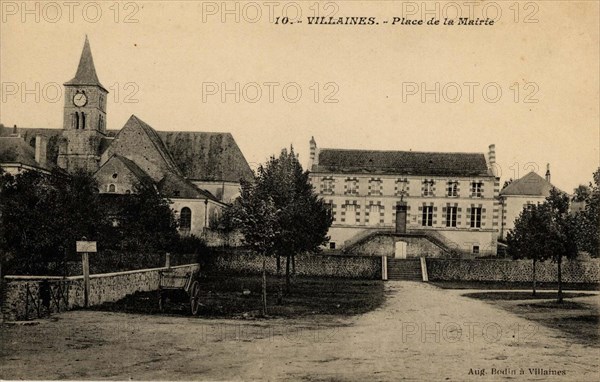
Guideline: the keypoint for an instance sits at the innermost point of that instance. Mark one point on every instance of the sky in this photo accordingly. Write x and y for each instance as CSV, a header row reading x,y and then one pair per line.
x,y
529,83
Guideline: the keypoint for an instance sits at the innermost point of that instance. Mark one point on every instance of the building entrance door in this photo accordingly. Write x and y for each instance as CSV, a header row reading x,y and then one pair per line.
x,y
401,217
400,249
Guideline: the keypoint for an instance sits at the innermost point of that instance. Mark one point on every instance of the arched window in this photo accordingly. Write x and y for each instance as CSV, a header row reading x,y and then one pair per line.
x,y
185,219
112,188
76,120
82,120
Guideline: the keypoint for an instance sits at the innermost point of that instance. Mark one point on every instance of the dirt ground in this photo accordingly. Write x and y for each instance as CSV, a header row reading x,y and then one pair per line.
x,y
420,333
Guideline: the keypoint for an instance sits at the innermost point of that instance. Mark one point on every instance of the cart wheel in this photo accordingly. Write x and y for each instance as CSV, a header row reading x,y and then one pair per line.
x,y
161,301
195,297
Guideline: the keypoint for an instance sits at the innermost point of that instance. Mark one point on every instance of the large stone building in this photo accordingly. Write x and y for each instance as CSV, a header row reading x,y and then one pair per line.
x,y
199,172
409,203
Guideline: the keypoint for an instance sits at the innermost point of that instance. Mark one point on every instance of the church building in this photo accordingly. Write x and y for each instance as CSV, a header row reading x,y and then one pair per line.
x,y
198,172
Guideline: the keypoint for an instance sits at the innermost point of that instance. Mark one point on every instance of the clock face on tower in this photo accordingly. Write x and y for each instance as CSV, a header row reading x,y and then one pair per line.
x,y
79,99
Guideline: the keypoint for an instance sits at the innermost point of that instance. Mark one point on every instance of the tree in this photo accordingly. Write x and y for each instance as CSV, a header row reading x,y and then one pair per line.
x,y
562,228
529,229
546,231
255,214
225,225
142,221
43,215
304,218
279,213
588,220
581,193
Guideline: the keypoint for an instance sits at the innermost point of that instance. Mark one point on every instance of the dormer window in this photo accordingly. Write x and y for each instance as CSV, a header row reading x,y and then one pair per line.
x,y
477,189
452,190
375,186
352,186
428,187
327,186
402,187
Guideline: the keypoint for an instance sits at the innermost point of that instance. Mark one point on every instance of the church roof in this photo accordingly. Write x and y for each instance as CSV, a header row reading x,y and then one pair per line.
x,y
202,156
401,163
135,169
531,184
207,156
175,186
134,123
86,71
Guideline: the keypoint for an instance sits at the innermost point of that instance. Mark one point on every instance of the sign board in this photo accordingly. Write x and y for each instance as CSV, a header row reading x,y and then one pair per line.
x,y
86,246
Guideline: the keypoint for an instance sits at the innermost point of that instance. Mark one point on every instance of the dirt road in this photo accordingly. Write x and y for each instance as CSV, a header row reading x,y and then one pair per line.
x,y
420,333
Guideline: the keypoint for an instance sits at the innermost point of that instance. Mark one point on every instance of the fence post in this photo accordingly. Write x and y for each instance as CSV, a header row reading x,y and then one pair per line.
x,y
85,260
384,275
424,269
168,260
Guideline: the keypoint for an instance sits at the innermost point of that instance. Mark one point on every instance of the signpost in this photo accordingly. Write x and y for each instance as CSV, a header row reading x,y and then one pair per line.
x,y
85,248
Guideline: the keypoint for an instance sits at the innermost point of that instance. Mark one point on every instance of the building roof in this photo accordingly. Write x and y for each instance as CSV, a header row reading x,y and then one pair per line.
x,y
202,156
141,176
401,162
136,124
207,156
86,71
175,186
16,150
531,184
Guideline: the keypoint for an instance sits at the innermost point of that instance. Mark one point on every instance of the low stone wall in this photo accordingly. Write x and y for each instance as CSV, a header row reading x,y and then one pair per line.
x,y
512,270
27,297
359,267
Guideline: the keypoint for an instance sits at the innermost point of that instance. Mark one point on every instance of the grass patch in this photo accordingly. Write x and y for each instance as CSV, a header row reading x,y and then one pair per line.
x,y
553,304
504,285
582,327
579,320
240,296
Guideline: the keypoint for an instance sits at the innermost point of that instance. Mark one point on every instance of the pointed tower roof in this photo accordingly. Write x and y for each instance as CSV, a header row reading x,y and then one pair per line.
x,y
86,71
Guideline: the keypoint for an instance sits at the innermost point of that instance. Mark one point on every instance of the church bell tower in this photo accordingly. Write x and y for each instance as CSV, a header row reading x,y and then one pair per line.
x,y
84,117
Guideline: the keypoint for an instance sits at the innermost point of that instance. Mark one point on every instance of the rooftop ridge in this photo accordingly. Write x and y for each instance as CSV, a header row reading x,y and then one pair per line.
x,y
403,151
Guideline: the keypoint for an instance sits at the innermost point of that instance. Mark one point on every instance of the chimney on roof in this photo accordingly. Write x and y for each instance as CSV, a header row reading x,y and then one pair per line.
x,y
314,154
548,172
41,146
492,159
15,132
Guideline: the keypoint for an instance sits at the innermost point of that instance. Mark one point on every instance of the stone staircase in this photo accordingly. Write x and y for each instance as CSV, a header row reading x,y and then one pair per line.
x,y
404,269
365,235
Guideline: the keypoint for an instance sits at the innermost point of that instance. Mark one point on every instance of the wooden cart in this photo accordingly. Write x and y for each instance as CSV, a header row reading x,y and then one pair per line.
x,y
169,282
